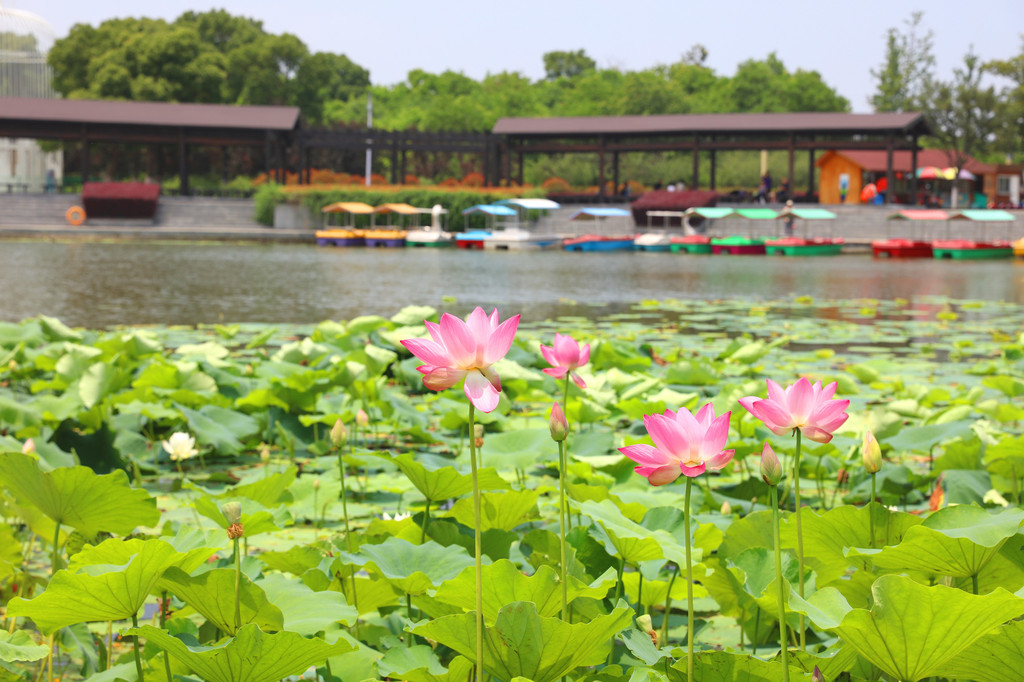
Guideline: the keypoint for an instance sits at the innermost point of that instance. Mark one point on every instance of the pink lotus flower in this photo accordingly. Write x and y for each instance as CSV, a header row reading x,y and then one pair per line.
x,y
460,350
800,406
565,356
683,444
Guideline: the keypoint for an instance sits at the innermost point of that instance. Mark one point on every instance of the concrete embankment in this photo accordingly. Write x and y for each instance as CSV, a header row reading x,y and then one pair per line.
x,y
27,216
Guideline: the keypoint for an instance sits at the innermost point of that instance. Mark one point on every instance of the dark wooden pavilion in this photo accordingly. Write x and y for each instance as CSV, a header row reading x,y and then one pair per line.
x,y
182,125
609,136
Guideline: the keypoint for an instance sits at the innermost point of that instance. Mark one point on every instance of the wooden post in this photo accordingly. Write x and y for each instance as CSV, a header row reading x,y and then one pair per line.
x,y
889,177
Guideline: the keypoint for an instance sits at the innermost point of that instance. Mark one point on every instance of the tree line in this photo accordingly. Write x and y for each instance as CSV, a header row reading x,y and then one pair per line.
x,y
215,57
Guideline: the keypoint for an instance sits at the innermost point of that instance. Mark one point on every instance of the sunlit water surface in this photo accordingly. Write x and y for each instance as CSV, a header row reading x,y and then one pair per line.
x,y
108,284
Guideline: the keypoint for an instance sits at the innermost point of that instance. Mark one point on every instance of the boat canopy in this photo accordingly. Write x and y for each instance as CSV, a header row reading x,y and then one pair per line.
x,y
490,209
532,204
403,209
984,215
348,207
757,213
919,214
809,213
710,212
600,212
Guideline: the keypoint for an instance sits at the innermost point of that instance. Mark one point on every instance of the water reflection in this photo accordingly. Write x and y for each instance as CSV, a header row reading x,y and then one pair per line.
x,y
99,285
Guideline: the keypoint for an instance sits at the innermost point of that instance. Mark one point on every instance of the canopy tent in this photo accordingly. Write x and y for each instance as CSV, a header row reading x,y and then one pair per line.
x,y
532,204
597,213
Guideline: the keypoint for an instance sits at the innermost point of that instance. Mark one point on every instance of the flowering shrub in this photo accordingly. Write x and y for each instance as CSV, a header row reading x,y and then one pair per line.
x,y
473,179
556,184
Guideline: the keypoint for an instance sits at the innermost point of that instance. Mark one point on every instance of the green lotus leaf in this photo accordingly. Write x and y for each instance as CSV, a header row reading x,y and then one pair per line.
x,y
505,510
371,594
828,535
255,518
914,631
924,438
625,539
250,656
995,657
295,560
100,380
78,497
305,611
19,646
522,643
504,583
420,664
1011,387
1006,458
104,591
956,541
414,569
220,428
446,482
519,449
213,595
723,666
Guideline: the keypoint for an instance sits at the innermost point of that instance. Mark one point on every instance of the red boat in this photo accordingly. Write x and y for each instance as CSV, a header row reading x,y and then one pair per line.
x,y
901,248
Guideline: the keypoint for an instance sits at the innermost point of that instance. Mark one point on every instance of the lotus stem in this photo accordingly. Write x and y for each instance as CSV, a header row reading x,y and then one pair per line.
x,y
668,607
871,516
56,549
561,527
689,583
135,645
799,536
565,452
408,614
974,583
426,520
773,492
477,546
238,586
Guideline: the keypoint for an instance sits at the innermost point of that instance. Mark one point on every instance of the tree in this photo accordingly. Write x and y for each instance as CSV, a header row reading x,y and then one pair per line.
x,y
567,64
905,73
1010,105
960,112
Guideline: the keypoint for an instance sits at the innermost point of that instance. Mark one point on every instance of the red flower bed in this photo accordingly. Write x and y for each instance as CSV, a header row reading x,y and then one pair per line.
x,y
120,199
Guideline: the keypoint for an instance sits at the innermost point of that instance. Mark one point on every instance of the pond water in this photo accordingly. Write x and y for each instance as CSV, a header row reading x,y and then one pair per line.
x,y
128,283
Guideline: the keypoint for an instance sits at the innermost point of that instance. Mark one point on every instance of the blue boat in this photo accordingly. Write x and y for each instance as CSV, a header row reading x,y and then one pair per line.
x,y
601,242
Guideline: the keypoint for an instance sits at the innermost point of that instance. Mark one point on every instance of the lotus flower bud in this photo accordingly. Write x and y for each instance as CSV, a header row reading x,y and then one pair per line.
x,y
338,434
478,435
264,454
29,447
232,511
872,453
316,484
726,508
558,424
644,623
771,469
362,419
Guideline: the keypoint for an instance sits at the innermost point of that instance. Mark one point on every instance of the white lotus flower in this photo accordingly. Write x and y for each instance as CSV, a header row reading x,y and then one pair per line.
x,y
180,446
399,516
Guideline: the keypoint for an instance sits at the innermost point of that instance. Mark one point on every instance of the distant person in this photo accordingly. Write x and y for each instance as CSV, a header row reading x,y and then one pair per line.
x,y
625,189
764,191
51,182
783,193
681,186
657,185
790,218
671,188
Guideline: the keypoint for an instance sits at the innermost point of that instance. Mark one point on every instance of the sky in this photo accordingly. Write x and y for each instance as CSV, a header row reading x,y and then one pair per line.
x,y
842,41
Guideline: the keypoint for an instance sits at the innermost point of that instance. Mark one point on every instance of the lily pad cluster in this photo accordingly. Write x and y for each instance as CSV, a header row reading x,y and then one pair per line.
x,y
130,551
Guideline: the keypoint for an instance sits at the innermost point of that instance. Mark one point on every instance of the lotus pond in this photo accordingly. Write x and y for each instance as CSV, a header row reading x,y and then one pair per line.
x,y
325,522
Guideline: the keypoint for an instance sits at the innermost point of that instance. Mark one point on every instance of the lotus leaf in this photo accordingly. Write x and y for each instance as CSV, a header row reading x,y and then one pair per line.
x,y
78,497
213,595
250,656
522,643
19,646
414,569
305,611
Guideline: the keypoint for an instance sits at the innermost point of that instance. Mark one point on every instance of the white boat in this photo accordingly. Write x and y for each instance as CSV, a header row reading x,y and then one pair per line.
x,y
514,236
432,235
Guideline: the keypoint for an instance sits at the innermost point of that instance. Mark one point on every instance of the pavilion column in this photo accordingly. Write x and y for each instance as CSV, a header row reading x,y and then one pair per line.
x,y
714,170
695,178
183,189
792,161
810,174
266,156
615,173
600,166
85,155
913,170
889,179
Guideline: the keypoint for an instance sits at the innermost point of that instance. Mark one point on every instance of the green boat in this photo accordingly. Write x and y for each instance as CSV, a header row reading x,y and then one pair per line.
x,y
966,249
738,246
693,243
797,246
